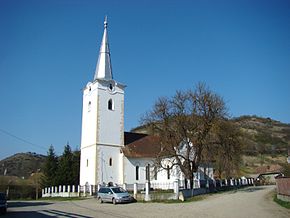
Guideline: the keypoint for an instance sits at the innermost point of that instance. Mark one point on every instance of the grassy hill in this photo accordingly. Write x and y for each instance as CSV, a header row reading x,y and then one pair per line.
x,y
264,135
22,164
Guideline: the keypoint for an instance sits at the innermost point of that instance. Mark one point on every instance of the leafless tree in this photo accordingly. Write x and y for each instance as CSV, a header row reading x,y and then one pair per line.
x,y
186,125
227,149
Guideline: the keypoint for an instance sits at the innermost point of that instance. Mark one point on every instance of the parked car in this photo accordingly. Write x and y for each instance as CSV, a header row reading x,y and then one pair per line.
x,y
114,195
3,203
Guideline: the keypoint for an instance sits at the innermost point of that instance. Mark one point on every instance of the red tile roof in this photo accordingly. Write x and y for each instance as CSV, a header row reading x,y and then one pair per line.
x,y
141,145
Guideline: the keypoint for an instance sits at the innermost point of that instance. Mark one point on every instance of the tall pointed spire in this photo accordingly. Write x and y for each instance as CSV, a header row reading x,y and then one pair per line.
x,y
104,67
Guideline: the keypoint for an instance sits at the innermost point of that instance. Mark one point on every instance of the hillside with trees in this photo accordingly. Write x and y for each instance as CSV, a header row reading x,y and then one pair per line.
x,y
264,135
265,144
23,174
22,164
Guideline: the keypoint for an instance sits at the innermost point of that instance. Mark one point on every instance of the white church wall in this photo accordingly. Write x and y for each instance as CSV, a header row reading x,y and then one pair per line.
x,y
109,167
130,169
111,126
89,115
168,175
88,165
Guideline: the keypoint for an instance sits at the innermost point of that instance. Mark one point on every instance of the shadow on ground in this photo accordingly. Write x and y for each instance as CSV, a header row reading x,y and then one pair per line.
x,y
43,214
26,204
30,214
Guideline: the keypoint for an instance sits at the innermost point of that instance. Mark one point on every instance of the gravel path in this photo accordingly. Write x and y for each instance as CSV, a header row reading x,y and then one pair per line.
x,y
246,203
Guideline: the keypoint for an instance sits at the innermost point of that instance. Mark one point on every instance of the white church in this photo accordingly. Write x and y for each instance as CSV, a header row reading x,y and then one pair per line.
x,y
108,154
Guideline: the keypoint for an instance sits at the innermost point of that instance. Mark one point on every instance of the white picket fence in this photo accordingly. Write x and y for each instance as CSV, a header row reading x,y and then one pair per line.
x,y
90,190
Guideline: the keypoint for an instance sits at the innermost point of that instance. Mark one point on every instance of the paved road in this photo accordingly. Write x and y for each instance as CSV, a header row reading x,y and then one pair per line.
x,y
246,203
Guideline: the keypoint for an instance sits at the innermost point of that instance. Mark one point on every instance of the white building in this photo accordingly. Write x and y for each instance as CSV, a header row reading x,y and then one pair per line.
x,y
108,154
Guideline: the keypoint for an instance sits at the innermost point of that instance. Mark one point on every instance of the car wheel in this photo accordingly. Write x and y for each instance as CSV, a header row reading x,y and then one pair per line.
x,y
114,201
100,200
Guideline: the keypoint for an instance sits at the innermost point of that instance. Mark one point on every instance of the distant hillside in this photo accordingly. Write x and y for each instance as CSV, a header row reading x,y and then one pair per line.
x,y
261,135
264,135
22,164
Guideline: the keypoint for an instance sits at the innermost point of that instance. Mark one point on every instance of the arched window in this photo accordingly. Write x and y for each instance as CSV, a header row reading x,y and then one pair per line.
x,y
147,172
111,105
87,162
111,86
168,172
89,106
155,172
110,162
137,172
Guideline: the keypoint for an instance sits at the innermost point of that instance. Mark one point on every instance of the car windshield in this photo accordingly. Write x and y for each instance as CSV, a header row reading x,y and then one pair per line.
x,y
118,190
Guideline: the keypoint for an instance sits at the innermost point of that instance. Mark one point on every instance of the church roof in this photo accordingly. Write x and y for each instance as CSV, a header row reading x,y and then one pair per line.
x,y
104,66
141,145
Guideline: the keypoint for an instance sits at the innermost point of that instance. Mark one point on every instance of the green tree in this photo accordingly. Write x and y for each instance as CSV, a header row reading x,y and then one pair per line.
x,y
49,177
76,166
65,169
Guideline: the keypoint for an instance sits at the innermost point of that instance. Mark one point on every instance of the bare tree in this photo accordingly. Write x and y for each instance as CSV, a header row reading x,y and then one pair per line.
x,y
185,124
227,149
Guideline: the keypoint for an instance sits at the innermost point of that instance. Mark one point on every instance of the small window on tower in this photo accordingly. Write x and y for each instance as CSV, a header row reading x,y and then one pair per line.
x,y
110,162
87,162
111,86
111,105
89,106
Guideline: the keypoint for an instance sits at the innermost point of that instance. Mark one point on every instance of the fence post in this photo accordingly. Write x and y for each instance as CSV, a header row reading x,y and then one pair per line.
x,y
59,189
147,187
135,190
176,188
79,190
91,190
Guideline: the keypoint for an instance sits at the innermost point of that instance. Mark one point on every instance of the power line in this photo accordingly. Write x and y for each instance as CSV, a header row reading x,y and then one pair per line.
x,y
21,139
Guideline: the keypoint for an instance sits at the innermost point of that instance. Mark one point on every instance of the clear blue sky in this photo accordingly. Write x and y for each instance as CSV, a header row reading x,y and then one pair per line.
x,y
49,50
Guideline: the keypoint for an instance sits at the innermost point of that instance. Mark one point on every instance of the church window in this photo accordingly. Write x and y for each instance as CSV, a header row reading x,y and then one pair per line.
x,y
89,106
111,105
147,172
155,173
110,162
137,172
87,162
111,86
168,172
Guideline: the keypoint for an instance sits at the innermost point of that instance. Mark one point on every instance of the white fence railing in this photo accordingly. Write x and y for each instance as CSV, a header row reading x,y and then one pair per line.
x,y
77,191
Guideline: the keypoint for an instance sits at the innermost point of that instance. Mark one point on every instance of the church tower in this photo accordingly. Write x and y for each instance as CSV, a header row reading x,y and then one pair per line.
x,y
102,124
